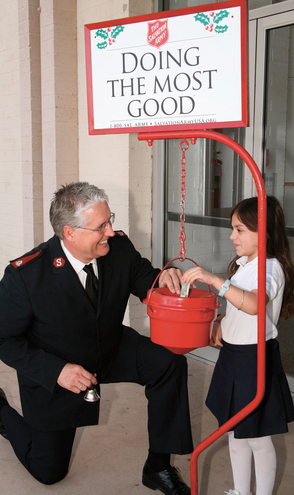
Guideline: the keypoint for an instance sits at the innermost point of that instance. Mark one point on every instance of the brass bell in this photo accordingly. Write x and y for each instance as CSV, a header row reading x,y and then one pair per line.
x,y
91,395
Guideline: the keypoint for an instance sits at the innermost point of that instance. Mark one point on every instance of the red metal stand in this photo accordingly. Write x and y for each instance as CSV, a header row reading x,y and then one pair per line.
x,y
193,135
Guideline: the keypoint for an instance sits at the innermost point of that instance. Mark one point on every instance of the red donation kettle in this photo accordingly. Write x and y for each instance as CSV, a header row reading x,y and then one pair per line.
x,y
181,324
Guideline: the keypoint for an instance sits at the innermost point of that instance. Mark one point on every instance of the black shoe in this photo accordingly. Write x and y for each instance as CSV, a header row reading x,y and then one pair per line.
x,y
167,481
2,429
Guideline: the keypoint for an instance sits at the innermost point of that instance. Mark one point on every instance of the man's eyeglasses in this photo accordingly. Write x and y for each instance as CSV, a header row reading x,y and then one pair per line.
x,y
102,227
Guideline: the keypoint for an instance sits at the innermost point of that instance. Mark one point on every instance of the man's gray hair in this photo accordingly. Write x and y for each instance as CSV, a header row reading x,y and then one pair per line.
x,y
70,202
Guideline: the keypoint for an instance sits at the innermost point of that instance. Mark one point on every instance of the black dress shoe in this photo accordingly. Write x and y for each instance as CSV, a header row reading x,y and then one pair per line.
x,y
2,429
167,481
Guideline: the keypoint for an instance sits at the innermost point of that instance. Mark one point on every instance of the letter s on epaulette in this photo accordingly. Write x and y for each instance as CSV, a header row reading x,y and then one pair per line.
x,y
120,233
20,262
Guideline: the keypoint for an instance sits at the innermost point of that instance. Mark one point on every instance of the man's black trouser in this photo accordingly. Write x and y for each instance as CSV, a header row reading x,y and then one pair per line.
x,y
46,455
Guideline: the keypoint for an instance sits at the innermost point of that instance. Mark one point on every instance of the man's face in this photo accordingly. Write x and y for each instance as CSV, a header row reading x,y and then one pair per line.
x,y
88,244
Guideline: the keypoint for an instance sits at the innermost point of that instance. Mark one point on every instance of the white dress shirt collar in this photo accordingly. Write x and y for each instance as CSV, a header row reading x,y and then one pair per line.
x,y
79,265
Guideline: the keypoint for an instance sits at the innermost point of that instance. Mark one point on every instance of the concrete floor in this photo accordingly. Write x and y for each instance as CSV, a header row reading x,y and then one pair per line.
x,y
108,459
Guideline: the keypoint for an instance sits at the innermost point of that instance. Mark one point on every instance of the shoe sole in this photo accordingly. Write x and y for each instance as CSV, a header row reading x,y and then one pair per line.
x,y
148,484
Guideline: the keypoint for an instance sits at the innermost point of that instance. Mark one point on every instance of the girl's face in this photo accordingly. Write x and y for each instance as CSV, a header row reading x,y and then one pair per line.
x,y
245,241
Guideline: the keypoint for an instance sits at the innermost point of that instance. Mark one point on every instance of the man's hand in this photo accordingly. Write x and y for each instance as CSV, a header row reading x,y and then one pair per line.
x,y
75,378
171,278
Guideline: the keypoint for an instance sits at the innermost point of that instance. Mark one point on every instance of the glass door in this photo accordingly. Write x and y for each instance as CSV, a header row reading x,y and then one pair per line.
x,y
274,133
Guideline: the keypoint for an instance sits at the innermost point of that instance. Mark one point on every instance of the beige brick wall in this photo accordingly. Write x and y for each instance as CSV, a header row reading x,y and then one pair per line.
x,y
11,223
31,125
58,24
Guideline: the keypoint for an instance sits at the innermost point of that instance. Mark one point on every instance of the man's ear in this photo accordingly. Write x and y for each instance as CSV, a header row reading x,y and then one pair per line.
x,y
68,233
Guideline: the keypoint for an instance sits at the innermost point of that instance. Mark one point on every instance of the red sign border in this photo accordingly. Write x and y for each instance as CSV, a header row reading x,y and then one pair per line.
x,y
244,122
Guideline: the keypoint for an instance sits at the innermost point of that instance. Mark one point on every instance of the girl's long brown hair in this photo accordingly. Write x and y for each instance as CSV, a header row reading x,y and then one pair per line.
x,y
277,246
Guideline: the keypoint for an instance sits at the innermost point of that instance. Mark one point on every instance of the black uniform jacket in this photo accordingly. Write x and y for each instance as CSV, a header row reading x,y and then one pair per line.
x,y
47,320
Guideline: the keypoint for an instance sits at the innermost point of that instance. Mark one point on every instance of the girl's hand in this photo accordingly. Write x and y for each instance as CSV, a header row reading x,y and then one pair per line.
x,y
216,335
199,274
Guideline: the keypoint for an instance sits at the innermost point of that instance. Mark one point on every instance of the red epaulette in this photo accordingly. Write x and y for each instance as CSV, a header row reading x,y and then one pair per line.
x,y
120,233
20,262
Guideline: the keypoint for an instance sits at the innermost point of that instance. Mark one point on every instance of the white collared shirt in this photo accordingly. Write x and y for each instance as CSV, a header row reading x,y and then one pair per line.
x,y
79,265
241,328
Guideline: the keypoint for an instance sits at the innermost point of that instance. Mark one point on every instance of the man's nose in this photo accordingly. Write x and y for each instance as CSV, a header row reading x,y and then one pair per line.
x,y
109,230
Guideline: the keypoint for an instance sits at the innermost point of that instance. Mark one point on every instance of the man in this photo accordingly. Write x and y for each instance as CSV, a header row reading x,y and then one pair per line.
x,y
63,337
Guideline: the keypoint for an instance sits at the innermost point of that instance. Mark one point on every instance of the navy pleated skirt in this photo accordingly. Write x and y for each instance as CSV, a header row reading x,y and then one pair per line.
x,y
234,384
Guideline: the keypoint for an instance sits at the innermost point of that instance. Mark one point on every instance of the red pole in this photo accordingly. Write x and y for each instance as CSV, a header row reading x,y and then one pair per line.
x,y
149,137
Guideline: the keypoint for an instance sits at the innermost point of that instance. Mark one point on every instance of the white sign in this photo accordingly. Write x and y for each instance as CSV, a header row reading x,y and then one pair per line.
x,y
184,69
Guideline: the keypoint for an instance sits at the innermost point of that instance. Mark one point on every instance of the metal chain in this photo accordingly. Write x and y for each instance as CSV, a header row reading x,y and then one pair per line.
x,y
182,236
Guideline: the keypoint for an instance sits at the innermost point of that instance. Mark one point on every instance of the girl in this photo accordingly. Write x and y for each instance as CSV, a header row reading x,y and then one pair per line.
x,y
234,379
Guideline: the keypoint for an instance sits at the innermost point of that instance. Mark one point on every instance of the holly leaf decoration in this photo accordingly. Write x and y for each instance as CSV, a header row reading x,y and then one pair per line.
x,y
221,29
102,45
108,35
203,18
116,31
102,33
219,16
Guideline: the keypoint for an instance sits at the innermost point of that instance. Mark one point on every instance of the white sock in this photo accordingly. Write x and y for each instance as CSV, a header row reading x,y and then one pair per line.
x,y
241,455
265,461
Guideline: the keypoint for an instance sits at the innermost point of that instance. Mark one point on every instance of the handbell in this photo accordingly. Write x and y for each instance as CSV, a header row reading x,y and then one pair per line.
x,y
91,395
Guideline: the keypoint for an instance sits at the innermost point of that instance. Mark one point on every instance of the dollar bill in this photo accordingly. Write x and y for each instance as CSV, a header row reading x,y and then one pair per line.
x,y
185,290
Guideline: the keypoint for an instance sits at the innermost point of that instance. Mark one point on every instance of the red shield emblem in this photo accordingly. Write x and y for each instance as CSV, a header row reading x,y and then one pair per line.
x,y
157,33
58,262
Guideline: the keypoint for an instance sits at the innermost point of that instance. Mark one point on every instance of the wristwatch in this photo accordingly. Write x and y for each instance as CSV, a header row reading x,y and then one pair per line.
x,y
224,288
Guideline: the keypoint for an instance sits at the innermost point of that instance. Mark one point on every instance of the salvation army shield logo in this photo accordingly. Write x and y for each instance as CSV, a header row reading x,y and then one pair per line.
x,y
58,262
157,33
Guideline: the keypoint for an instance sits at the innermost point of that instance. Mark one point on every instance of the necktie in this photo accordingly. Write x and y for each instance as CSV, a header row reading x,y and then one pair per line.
x,y
91,284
